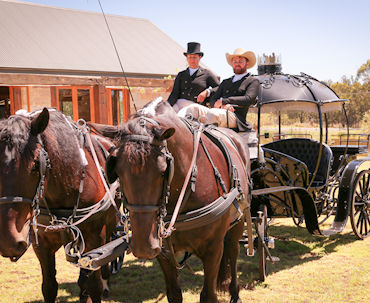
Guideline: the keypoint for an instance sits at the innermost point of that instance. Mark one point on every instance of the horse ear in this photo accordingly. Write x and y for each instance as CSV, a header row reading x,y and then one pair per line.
x,y
105,130
39,123
163,134
110,168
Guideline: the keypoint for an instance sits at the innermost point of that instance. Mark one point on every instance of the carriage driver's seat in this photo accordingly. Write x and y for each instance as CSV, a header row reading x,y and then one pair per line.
x,y
307,151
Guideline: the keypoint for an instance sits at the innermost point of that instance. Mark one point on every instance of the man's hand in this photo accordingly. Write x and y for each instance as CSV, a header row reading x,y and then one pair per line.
x,y
218,104
228,107
202,96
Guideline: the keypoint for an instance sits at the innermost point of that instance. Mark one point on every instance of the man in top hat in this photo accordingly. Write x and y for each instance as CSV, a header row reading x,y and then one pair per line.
x,y
230,100
194,83
240,91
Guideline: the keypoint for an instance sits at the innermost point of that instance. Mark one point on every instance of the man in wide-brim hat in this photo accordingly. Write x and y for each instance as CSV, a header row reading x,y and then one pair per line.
x,y
231,100
239,52
194,83
239,92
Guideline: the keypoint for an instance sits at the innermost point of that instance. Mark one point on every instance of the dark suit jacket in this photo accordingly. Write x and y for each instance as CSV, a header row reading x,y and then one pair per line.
x,y
242,93
189,87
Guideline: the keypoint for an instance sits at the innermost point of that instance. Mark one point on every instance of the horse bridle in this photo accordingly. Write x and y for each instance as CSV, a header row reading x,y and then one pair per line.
x,y
44,165
161,148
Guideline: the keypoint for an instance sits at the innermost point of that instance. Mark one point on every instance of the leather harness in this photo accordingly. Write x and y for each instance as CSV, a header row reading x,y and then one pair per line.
x,y
195,218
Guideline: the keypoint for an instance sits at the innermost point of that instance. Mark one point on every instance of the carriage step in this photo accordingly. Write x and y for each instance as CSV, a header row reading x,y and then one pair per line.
x,y
273,260
100,256
270,242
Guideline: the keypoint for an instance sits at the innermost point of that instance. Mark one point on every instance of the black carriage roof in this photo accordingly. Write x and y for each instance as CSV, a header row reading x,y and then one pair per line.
x,y
283,92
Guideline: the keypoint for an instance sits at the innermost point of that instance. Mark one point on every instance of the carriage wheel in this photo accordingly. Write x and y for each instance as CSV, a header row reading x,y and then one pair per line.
x,y
262,255
360,208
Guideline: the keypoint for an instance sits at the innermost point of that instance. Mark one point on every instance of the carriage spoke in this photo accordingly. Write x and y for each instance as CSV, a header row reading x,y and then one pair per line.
x,y
361,183
358,220
368,182
362,223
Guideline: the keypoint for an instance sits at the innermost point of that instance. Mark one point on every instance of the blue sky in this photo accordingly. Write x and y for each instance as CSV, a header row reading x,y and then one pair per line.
x,y
324,38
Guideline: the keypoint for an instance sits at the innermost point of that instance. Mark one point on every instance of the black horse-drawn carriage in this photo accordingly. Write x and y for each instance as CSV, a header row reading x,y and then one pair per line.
x,y
302,178
299,177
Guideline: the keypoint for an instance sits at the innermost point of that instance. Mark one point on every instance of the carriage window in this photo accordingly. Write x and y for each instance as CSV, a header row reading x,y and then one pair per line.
x,y
117,106
65,101
83,96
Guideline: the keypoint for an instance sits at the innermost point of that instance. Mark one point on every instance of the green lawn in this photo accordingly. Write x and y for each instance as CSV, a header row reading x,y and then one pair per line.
x,y
312,269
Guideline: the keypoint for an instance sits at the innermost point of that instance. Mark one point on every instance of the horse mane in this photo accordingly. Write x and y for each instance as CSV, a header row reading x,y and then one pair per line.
x,y
135,151
15,134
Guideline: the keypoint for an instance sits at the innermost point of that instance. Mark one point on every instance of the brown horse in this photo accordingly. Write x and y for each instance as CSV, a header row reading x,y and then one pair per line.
x,y
41,169
143,161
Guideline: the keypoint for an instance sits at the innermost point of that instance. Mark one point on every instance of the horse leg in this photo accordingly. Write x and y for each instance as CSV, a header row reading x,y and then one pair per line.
x,y
231,251
49,283
91,286
171,276
211,259
105,273
83,284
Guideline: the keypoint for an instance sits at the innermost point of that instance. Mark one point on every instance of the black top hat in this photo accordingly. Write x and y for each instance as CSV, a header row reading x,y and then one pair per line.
x,y
193,48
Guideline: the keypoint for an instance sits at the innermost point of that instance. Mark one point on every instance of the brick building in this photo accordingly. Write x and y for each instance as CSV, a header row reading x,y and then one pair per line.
x,y
65,58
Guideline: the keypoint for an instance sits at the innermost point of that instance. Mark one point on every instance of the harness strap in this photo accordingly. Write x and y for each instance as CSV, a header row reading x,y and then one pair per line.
x,y
222,146
168,231
207,214
82,213
107,189
12,199
215,170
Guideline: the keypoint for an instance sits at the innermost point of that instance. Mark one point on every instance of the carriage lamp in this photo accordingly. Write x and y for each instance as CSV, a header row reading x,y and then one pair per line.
x,y
269,64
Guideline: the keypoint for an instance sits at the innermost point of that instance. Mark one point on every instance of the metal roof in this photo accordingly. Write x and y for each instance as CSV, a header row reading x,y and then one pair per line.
x,y
45,38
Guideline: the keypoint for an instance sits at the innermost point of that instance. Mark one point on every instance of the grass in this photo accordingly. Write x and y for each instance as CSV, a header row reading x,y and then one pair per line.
x,y
312,269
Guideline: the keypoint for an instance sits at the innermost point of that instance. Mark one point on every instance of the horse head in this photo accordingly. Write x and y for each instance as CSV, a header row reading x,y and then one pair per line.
x,y
144,166
20,157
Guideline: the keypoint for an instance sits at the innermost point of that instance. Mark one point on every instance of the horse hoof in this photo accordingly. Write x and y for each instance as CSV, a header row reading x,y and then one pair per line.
x,y
105,294
236,300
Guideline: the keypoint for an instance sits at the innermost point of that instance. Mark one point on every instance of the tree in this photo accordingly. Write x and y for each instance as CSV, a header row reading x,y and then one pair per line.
x,y
357,90
363,73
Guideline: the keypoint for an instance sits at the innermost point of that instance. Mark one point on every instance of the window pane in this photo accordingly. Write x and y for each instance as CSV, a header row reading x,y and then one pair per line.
x,y
83,96
4,102
115,106
121,106
65,102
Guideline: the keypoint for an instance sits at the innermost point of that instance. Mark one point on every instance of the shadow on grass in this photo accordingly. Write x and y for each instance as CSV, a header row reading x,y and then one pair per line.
x,y
138,281
294,246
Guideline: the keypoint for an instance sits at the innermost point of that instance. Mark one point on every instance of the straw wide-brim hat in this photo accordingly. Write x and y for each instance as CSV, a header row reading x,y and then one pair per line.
x,y
239,52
